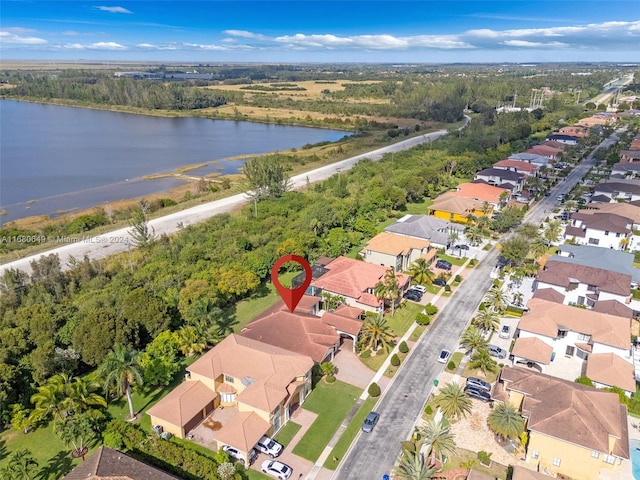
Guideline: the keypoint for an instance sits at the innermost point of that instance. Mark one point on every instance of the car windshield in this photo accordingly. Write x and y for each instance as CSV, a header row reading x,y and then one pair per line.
x,y
270,444
284,469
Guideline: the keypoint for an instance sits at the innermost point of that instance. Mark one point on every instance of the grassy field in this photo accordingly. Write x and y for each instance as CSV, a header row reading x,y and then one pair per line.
x,y
332,402
404,317
286,434
349,434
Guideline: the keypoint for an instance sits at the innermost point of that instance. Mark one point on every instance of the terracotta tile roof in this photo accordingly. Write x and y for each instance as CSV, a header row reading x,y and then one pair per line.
x,y
543,150
613,307
517,164
109,464
603,221
342,323
610,369
389,243
296,332
183,403
349,312
243,431
480,191
550,295
623,209
571,412
577,232
521,473
270,368
352,278
546,317
532,348
452,203
559,273
554,144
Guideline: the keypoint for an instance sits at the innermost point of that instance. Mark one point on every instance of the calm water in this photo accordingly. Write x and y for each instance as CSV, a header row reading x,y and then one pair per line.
x,y
55,158
634,447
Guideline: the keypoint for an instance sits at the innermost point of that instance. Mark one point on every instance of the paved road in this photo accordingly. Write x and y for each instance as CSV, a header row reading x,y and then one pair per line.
x,y
373,455
118,241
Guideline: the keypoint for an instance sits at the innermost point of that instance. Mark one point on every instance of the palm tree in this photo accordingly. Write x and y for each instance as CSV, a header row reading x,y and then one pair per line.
x,y
77,431
473,339
51,399
538,246
552,231
496,298
439,438
388,291
530,268
421,273
82,395
412,466
486,320
453,401
454,236
518,297
505,421
376,333
483,361
194,339
21,466
120,369
474,234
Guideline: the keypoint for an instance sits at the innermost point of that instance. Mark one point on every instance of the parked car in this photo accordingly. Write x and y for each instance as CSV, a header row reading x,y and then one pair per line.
x,y
276,469
443,264
521,306
505,332
479,384
419,288
414,295
496,351
269,446
440,282
444,356
462,247
477,393
235,454
370,422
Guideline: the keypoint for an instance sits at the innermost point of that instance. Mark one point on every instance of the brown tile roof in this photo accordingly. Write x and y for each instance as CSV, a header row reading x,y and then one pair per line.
x,y
613,307
543,150
296,332
550,295
109,464
610,369
553,144
623,209
603,221
532,348
392,244
352,278
270,368
571,412
559,273
341,323
521,473
451,203
480,191
577,232
243,431
183,403
546,317
349,312
517,164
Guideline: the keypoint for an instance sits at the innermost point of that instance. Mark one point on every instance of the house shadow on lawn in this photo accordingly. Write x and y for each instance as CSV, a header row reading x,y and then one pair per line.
x,y
57,466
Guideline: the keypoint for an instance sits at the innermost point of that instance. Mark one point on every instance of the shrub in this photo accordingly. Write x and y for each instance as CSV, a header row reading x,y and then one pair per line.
x,y
457,279
447,288
330,378
583,380
403,347
374,390
428,410
484,457
395,360
365,354
451,365
113,440
430,309
423,319
408,446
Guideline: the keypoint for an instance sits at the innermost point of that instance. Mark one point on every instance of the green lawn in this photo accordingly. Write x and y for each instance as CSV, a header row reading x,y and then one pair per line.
x,y
453,260
404,317
332,402
456,358
349,434
419,208
415,335
375,362
286,434
255,475
474,372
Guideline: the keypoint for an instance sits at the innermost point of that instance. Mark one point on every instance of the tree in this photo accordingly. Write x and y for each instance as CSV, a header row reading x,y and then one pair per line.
x,y
82,395
483,361
515,250
51,399
266,177
20,466
453,401
421,273
141,234
505,421
552,231
453,237
412,466
327,368
538,246
376,333
159,359
486,320
76,430
388,291
496,299
120,370
439,438
473,339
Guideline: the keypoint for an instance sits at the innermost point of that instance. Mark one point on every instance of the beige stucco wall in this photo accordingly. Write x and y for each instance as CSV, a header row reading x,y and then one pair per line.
x,y
168,427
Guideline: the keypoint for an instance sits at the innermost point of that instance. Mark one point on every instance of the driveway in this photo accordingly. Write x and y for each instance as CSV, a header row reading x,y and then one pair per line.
x,y
350,369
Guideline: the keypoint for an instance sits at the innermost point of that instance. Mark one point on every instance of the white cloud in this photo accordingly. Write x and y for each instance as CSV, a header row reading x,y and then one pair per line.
x,y
525,43
106,46
373,42
114,9
7,36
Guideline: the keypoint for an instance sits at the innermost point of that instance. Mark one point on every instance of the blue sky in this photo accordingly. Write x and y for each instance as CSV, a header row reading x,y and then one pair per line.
x,y
328,31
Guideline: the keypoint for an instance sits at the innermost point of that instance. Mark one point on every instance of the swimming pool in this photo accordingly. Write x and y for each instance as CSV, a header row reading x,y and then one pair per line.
x,y
634,447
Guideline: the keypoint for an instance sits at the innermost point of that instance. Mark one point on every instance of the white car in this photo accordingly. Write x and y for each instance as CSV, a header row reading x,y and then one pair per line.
x,y
419,288
235,454
269,446
444,356
276,469
505,332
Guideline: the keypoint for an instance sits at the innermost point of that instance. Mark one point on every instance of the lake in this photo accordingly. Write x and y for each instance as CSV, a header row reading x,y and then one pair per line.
x,y
55,158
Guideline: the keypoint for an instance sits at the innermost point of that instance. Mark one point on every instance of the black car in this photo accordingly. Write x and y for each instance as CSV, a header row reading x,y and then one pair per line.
x,y
477,393
414,295
443,264
462,247
440,282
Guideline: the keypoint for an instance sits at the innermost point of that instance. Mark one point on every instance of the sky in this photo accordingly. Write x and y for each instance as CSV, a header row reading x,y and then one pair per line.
x,y
418,31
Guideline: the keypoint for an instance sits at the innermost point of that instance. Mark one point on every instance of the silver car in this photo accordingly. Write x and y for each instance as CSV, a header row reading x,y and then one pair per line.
x,y
370,422
496,351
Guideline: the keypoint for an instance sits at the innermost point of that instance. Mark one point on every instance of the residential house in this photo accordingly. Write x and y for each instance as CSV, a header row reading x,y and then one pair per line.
x,y
109,464
524,168
355,281
630,156
499,177
577,130
593,121
554,143
546,151
626,170
584,285
563,138
260,382
619,190
574,430
521,473
552,329
540,160
490,194
606,259
454,208
604,230
397,251
630,210
427,227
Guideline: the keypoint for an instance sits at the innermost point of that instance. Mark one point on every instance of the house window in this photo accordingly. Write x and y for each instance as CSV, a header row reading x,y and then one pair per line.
x,y
228,378
594,241
276,419
569,351
368,252
535,454
562,333
617,235
610,459
451,216
606,232
583,337
580,300
556,462
227,397
595,454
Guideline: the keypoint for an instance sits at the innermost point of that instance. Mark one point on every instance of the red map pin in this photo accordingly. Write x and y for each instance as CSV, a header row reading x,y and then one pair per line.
x,y
291,296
